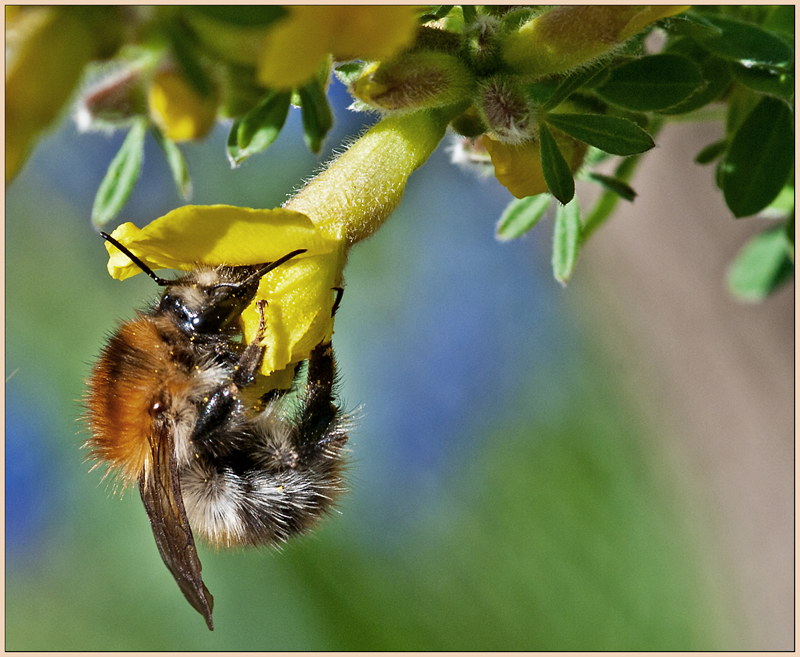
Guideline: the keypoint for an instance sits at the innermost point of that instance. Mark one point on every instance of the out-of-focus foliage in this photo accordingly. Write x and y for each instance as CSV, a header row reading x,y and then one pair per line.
x,y
532,87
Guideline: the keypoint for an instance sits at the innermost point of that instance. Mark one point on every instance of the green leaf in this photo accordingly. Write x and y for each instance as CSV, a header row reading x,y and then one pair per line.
x,y
654,82
711,152
349,72
761,266
781,20
566,240
556,171
469,13
570,84
188,59
176,162
612,134
317,116
765,80
760,158
715,71
435,12
693,25
747,43
121,177
521,215
619,187
256,130
241,15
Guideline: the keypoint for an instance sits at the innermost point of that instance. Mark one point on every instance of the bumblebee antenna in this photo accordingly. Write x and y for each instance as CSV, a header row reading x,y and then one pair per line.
x,y
264,270
136,261
272,265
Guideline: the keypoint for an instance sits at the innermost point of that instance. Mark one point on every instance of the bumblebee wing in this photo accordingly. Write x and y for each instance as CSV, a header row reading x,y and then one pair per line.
x,y
161,494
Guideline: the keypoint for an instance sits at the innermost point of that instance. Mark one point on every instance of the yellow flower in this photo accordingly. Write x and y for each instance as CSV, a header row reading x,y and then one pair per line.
x,y
178,109
294,50
570,36
519,167
299,293
46,50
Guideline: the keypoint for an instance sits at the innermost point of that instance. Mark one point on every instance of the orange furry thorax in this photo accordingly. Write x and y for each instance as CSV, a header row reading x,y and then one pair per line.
x,y
136,370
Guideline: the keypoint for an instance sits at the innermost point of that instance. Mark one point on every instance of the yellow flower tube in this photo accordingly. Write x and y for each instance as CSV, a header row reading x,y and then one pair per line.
x,y
570,36
360,189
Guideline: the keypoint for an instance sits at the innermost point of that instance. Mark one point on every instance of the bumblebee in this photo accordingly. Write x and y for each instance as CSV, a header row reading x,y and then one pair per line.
x,y
174,404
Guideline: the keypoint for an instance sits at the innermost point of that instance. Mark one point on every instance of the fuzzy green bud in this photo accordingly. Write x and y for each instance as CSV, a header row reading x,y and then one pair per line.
x,y
506,111
413,81
570,36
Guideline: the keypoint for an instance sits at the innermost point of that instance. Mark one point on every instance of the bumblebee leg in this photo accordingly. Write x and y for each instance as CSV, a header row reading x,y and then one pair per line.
x,y
214,413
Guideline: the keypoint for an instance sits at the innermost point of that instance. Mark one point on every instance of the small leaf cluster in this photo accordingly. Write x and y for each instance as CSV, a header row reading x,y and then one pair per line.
x,y
735,63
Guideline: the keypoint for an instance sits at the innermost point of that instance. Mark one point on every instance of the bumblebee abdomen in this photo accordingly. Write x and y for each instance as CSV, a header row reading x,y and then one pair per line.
x,y
273,490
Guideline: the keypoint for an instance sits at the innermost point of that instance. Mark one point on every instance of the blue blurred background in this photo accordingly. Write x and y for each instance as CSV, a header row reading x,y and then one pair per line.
x,y
507,490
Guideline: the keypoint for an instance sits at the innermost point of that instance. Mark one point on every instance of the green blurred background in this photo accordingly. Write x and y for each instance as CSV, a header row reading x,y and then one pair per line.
x,y
512,486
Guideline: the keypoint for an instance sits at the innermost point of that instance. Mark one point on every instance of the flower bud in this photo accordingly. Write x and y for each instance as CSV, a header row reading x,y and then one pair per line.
x,y
569,36
506,111
46,50
178,109
112,101
417,80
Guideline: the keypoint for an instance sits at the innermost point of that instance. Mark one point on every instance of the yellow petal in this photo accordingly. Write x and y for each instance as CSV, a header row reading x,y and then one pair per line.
x,y
180,111
215,235
517,167
46,50
296,47
299,295
377,32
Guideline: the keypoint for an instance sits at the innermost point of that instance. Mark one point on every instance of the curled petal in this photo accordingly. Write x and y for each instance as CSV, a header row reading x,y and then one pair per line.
x,y
215,235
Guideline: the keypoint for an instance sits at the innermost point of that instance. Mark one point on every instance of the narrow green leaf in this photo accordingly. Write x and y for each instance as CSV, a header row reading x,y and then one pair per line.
x,y
566,240
612,134
121,177
651,83
521,215
761,266
571,84
760,158
747,43
317,116
711,152
556,171
176,162
256,130
619,187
